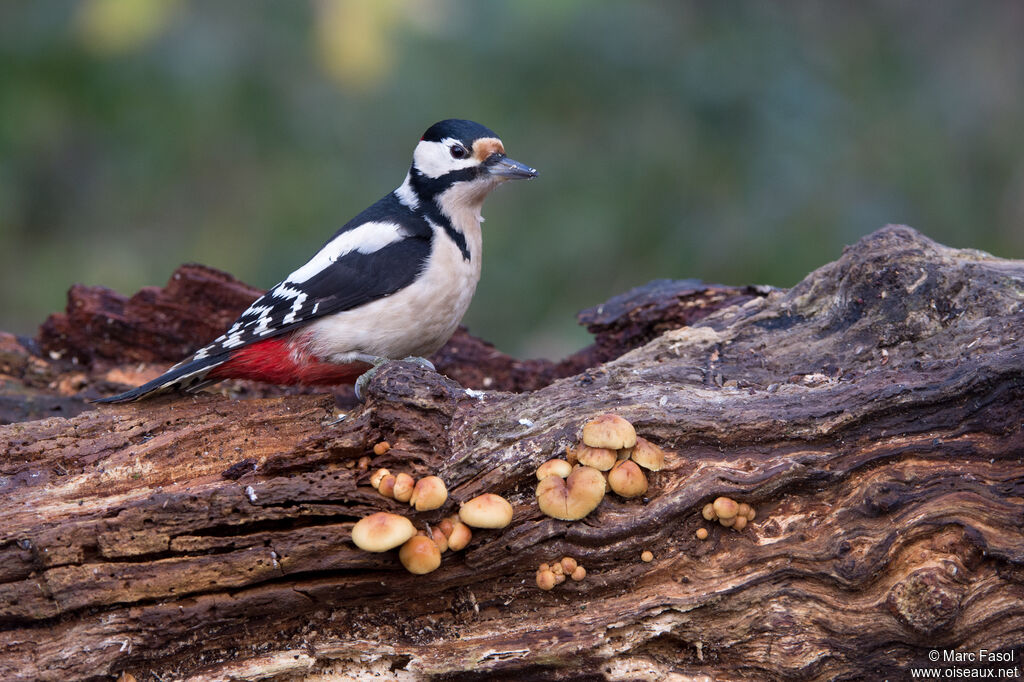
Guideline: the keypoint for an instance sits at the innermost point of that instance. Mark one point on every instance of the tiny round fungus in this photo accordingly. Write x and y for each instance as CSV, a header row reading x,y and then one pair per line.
x,y
382,531
556,568
752,514
647,556
440,539
559,578
381,447
363,463
429,493
702,533
601,459
708,512
544,567
728,523
725,508
579,573
609,431
447,524
420,555
545,580
404,484
743,509
568,564
378,475
572,498
740,523
627,479
487,511
554,467
648,455
387,486
460,536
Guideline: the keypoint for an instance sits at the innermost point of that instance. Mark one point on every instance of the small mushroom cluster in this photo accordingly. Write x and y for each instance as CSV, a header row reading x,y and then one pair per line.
x,y
610,456
549,575
727,512
419,551
426,494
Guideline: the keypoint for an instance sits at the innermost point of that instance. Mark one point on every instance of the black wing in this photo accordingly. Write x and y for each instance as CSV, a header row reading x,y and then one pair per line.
x,y
352,279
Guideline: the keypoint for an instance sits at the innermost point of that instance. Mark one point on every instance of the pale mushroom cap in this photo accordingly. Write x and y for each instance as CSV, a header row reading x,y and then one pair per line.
x,y
387,486
725,507
648,455
545,580
382,531
404,483
708,512
740,523
440,539
459,537
487,511
727,522
601,459
554,467
377,476
609,431
568,564
579,573
420,555
429,493
702,533
647,556
572,498
627,479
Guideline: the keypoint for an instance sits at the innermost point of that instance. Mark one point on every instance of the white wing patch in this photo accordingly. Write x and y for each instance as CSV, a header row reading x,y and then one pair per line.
x,y
282,305
366,238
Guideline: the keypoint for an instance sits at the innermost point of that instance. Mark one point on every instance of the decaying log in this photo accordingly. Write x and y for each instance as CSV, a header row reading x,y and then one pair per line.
x,y
872,415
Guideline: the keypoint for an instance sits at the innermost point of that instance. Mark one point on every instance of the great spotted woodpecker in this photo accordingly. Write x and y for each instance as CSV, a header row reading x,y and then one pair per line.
x,y
394,282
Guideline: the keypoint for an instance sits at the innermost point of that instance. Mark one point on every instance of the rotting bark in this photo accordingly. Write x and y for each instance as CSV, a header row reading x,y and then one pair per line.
x,y
872,414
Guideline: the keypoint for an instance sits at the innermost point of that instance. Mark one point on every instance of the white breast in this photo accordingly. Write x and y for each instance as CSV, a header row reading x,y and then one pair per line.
x,y
416,320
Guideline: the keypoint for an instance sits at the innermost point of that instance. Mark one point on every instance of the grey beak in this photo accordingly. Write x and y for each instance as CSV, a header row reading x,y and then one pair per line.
x,y
504,167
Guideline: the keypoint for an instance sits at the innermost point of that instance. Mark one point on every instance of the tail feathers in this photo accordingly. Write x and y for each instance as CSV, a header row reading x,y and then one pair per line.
x,y
187,376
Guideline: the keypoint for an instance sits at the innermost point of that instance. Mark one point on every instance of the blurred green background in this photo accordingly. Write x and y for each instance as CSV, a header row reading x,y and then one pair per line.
x,y
736,142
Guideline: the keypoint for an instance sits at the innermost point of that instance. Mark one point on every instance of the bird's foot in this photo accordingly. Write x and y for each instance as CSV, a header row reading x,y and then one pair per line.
x,y
364,379
422,362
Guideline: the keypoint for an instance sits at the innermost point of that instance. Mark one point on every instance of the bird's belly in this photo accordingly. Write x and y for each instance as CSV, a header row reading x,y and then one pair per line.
x,y
416,320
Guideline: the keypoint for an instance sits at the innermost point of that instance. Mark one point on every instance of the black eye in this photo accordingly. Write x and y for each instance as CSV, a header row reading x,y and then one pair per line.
x,y
458,151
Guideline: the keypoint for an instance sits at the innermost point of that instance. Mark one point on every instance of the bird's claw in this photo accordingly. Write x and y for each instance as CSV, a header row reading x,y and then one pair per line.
x,y
422,362
364,379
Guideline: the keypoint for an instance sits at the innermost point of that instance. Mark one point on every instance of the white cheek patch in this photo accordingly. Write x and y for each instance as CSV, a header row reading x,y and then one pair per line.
x,y
367,238
434,159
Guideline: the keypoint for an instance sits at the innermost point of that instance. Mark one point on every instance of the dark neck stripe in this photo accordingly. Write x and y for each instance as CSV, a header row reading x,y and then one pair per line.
x,y
429,189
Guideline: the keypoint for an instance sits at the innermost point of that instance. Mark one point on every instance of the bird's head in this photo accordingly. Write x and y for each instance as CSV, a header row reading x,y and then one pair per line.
x,y
463,161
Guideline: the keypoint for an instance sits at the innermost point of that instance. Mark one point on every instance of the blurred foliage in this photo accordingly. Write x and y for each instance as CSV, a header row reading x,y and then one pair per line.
x,y
735,142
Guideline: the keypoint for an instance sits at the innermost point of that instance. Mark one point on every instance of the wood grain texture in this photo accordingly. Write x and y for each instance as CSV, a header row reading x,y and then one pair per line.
x,y
872,415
